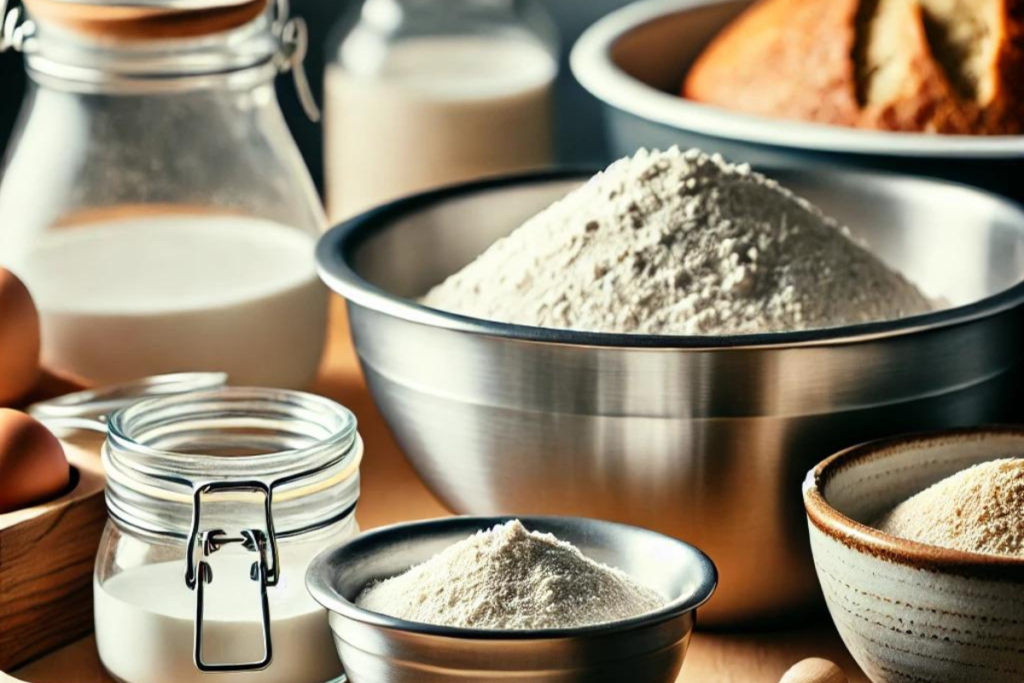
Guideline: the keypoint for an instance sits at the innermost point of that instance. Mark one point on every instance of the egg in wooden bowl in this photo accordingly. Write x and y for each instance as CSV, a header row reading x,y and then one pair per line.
x,y
33,467
925,612
19,339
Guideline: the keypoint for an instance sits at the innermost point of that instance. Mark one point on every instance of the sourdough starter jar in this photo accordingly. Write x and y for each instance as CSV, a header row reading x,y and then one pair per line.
x,y
218,500
422,93
153,199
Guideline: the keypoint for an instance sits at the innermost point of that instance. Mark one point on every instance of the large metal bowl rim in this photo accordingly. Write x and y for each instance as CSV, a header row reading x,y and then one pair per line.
x,y
338,246
593,67
324,591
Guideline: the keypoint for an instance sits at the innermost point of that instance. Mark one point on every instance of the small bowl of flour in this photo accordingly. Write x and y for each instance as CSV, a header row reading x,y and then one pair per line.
x,y
918,543
539,598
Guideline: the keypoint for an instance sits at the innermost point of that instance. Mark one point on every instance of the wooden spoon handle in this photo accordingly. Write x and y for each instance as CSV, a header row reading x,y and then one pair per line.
x,y
814,671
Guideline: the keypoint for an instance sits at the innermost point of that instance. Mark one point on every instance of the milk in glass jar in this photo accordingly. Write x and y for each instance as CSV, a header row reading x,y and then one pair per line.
x,y
423,93
153,199
218,499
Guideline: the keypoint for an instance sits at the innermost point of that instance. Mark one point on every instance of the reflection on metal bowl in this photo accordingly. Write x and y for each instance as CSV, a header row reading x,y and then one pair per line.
x,y
703,438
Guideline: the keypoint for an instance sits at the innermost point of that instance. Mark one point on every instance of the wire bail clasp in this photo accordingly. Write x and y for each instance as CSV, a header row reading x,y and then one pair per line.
x,y
293,35
199,574
17,28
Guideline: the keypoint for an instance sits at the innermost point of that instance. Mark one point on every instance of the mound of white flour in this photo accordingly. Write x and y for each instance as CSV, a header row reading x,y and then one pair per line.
x,y
679,243
511,578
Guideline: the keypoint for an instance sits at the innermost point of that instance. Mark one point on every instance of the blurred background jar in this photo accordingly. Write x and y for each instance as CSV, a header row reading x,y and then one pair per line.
x,y
424,93
153,198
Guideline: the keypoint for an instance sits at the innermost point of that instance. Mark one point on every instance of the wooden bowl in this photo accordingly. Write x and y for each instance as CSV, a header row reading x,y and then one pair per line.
x,y
909,612
47,553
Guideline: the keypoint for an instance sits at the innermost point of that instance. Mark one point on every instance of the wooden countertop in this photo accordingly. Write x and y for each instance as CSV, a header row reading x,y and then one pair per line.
x,y
392,492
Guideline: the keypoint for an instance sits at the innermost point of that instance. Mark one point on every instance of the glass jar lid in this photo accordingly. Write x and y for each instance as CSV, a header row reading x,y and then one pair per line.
x,y
158,44
173,440
293,454
155,4
145,19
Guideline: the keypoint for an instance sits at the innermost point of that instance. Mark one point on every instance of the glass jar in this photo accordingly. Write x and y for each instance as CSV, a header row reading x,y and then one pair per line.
x,y
218,500
153,199
423,93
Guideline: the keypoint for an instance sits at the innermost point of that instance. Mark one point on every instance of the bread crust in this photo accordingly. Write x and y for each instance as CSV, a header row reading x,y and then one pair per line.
x,y
788,58
1007,109
926,101
803,60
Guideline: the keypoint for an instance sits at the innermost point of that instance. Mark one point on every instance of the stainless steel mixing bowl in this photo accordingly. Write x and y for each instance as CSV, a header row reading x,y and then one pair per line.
x,y
375,648
704,438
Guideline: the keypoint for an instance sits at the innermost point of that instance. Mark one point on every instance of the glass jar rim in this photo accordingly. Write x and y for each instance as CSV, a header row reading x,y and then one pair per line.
x,y
144,20
55,55
160,454
124,432
239,58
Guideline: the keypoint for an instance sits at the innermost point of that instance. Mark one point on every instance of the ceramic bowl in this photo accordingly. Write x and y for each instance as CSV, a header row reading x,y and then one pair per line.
x,y
634,62
376,648
908,612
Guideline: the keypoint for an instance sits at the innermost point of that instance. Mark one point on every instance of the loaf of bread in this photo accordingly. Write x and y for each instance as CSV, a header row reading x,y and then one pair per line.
x,y
938,66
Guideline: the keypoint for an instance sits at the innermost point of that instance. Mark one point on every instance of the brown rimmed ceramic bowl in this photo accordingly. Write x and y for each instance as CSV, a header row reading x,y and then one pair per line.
x,y
909,612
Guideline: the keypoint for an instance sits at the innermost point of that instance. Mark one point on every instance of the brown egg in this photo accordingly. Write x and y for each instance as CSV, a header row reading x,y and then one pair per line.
x,y
19,339
32,463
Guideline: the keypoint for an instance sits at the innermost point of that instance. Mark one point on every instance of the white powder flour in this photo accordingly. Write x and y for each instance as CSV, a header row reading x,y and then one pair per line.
x,y
977,510
510,578
679,243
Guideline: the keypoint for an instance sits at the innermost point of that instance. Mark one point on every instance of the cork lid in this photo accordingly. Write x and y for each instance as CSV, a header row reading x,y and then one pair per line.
x,y
140,19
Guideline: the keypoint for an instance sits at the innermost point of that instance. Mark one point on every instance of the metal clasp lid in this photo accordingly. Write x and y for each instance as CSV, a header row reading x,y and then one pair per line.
x,y
293,34
265,569
198,573
16,28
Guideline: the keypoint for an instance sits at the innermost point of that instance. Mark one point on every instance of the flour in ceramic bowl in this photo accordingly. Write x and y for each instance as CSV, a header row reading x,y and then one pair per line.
x,y
679,243
977,510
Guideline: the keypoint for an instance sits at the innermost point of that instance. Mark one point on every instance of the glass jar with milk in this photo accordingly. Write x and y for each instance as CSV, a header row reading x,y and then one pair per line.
x,y
218,500
153,199
424,93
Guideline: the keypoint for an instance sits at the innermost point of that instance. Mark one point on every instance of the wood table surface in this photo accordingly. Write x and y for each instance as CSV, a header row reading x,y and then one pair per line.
x,y
391,492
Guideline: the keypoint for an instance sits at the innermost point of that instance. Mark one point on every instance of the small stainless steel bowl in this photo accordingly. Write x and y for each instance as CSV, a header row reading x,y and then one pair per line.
x,y
635,59
703,438
375,648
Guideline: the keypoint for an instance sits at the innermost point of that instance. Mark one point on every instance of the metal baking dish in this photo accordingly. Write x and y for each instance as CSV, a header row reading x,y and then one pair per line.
x,y
703,438
635,59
